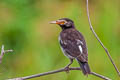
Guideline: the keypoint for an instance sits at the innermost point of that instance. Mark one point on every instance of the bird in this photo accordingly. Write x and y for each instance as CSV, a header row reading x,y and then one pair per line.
x,y
73,44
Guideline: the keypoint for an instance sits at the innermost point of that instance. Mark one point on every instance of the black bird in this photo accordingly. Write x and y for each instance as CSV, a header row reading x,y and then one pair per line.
x,y
73,44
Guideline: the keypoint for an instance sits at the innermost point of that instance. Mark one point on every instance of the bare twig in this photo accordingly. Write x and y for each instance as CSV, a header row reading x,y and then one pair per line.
x,y
100,40
3,52
57,71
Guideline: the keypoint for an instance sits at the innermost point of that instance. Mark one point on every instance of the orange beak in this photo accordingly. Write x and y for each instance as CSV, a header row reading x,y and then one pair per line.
x,y
58,22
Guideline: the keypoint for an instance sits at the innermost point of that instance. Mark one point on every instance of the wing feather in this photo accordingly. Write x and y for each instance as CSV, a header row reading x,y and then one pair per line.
x,y
74,44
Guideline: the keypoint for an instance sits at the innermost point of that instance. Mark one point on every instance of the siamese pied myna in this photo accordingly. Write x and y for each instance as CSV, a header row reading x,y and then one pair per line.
x,y
73,44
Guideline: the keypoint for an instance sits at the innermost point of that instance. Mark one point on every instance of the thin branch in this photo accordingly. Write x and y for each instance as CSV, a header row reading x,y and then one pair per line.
x,y
106,50
57,71
3,52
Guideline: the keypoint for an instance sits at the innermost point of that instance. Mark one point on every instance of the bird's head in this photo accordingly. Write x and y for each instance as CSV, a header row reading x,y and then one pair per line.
x,y
64,23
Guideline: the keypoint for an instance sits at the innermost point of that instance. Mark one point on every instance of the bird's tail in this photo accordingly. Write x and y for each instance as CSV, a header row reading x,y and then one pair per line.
x,y
84,67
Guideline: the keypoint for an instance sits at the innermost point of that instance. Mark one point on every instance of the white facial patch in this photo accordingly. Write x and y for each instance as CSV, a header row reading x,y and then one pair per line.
x,y
64,22
80,48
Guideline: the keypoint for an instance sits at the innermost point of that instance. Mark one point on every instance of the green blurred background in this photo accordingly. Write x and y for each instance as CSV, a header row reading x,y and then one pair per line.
x,y
25,28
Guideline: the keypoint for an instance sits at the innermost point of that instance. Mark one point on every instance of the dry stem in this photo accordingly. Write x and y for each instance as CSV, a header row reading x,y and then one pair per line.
x,y
106,50
57,71
3,52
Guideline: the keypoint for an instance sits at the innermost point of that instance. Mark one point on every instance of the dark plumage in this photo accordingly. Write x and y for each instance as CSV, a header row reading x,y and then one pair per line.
x,y
73,44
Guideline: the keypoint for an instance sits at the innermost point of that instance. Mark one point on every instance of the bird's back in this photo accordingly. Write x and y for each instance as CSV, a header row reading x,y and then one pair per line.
x,y
73,43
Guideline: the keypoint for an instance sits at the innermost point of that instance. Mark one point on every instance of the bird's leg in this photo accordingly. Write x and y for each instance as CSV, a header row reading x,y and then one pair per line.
x,y
71,61
67,67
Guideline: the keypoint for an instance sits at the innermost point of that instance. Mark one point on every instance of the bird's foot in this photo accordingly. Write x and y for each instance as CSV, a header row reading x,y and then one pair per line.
x,y
67,69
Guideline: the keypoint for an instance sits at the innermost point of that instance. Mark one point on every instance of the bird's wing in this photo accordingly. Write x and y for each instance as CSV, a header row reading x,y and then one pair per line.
x,y
74,44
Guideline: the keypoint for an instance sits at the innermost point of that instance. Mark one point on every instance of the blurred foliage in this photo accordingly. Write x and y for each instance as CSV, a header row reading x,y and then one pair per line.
x,y
25,28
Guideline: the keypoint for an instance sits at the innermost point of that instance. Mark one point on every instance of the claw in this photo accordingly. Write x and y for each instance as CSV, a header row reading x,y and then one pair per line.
x,y
67,69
